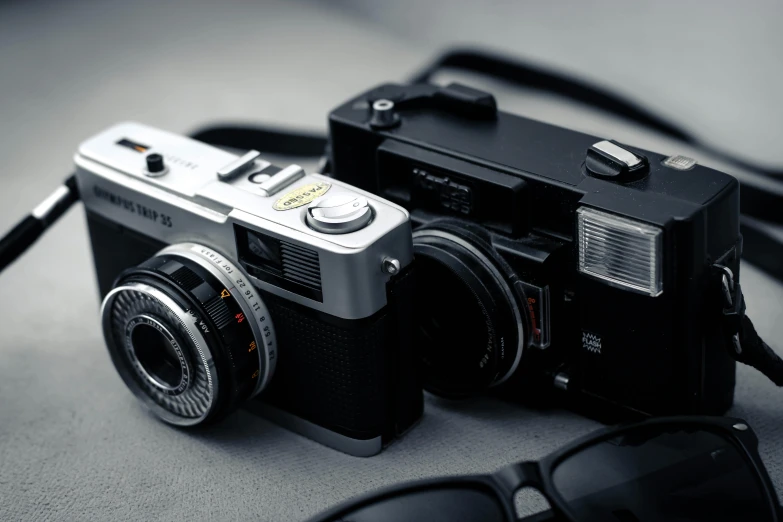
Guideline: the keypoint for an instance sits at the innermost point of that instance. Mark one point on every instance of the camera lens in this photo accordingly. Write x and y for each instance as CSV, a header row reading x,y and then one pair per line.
x,y
439,311
159,356
469,329
189,335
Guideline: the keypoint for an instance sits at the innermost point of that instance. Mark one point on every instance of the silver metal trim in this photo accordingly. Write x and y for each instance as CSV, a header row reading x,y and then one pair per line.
x,y
382,105
251,303
390,265
561,381
238,165
158,174
383,114
618,153
46,206
192,204
280,180
289,421
195,336
506,290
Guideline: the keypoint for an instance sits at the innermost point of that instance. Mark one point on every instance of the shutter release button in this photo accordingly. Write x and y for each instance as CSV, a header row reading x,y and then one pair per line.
x,y
155,166
339,214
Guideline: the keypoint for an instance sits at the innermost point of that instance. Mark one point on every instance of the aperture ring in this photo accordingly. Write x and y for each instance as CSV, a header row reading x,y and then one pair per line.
x,y
238,286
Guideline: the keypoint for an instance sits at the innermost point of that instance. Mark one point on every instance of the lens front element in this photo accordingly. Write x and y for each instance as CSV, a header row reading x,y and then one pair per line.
x,y
189,334
158,353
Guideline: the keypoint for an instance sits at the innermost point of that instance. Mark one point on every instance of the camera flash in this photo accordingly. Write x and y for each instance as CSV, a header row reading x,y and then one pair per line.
x,y
620,250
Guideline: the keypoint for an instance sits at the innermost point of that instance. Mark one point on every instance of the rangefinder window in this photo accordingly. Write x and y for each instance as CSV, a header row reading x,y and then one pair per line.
x,y
285,265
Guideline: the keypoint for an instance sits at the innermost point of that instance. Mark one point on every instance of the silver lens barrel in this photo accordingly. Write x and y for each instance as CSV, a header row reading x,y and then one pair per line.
x,y
120,312
189,335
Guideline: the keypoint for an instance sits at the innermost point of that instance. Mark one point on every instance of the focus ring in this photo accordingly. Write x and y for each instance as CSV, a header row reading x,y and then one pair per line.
x,y
248,298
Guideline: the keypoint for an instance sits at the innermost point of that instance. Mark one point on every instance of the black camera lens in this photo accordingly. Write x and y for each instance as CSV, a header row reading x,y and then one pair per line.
x,y
157,355
445,301
469,328
189,335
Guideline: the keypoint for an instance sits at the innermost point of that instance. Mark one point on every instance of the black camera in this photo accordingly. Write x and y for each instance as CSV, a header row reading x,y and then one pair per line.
x,y
549,259
227,280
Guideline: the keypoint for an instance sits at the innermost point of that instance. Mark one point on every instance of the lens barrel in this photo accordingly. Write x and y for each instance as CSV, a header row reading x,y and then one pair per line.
x,y
470,329
189,334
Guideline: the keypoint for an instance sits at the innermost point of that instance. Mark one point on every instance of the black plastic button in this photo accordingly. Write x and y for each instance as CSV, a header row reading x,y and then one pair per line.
x,y
155,163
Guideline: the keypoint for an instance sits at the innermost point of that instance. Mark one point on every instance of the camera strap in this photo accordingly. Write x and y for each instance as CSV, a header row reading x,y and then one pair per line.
x,y
29,229
746,344
265,140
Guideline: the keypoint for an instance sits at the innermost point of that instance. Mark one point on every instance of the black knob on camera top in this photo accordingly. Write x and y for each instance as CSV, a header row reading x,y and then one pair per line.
x,y
155,164
609,160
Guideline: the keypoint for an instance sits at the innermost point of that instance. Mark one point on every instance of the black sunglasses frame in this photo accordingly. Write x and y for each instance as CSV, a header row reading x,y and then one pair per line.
x,y
503,484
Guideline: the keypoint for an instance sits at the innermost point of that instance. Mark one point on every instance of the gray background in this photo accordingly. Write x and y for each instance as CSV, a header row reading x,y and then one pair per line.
x,y
75,445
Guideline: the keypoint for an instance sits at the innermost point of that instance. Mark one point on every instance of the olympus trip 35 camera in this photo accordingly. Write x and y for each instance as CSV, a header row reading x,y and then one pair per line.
x,y
548,259
228,281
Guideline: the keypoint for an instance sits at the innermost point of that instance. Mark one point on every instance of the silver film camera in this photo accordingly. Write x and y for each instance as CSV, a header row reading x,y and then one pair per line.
x,y
228,281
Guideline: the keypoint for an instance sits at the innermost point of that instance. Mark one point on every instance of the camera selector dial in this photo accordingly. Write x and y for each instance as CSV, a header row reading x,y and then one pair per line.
x,y
608,160
339,214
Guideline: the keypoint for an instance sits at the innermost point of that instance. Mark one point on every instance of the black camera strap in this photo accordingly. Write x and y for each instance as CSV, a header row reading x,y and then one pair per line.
x,y
746,344
29,229
267,140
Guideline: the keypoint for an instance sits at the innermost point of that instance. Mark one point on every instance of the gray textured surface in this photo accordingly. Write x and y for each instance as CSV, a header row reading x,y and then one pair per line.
x,y
74,444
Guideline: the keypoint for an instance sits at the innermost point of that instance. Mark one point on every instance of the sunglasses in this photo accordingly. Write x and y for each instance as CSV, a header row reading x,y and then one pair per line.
x,y
663,469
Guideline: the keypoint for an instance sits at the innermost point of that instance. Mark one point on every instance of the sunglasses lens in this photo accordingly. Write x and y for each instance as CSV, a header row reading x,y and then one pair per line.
x,y
657,473
433,505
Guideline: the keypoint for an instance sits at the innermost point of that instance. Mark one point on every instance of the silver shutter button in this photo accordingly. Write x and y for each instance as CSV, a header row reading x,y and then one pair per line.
x,y
339,214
